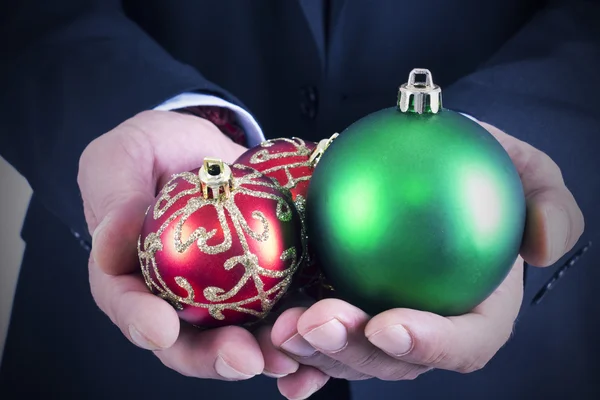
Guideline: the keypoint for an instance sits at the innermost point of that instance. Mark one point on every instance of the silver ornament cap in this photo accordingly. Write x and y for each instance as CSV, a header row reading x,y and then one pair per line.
x,y
421,96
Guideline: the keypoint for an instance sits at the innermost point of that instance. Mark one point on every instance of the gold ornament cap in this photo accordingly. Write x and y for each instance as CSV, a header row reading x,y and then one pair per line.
x,y
321,147
216,176
422,96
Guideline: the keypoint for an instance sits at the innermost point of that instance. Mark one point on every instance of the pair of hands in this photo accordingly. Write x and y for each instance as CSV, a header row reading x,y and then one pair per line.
x,y
119,176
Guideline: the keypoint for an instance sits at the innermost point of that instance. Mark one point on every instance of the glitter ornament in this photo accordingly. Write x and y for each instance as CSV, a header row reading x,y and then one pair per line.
x,y
415,206
221,244
288,161
291,162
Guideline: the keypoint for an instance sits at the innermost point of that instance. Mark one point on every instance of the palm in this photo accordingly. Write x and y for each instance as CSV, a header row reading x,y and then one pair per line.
x,y
463,343
120,174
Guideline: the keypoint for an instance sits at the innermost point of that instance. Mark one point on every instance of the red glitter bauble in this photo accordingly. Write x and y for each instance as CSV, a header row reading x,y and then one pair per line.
x,y
285,160
221,253
288,161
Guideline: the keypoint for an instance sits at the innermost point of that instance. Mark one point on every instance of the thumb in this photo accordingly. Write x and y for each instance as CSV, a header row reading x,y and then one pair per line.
x,y
117,185
120,173
463,343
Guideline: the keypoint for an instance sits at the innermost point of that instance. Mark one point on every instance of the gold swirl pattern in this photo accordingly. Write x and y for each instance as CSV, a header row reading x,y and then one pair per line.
x,y
216,296
301,150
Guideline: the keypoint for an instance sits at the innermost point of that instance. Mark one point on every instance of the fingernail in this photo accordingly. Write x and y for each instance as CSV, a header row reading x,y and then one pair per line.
x,y
394,339
272,375
332,336
558,231
228,372
141,340
298,346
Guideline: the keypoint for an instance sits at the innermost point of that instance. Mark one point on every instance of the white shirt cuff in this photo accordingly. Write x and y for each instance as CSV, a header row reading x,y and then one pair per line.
x,y
254,133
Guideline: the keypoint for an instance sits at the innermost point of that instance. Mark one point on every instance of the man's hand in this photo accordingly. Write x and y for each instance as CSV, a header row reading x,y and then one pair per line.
x,y
119,175
335,339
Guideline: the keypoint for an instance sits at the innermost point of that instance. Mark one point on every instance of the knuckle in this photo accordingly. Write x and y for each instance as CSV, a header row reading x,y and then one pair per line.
x,y
85,159
169,362
330,366
360,377
402,373
337,370
540,162
473,365
94,291
507,334
98,289
381,368
578,219
133,143
146,115
550,165
414,373
437,355
369,361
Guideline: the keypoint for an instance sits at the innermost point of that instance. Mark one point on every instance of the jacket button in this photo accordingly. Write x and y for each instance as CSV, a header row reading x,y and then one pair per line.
x,y
309,102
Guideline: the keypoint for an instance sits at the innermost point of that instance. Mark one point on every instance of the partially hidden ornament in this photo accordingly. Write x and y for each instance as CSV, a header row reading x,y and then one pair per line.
x,y
290,162
416,206
287,160
221,244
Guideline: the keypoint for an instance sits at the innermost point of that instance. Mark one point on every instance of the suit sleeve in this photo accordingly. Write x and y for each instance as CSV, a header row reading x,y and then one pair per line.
x,y
543,82
71,71
543,86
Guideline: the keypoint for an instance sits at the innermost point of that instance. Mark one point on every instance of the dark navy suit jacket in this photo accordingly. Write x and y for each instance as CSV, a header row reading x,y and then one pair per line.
x,y
71,70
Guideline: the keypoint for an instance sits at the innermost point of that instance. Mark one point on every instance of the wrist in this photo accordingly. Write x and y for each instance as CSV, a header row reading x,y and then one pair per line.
x,y
223,118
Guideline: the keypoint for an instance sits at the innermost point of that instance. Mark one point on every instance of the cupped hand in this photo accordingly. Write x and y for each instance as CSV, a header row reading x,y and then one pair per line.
x,y
335,339
119,175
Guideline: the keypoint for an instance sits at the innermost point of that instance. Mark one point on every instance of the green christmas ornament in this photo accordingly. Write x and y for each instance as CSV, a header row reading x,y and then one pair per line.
x,y
415,206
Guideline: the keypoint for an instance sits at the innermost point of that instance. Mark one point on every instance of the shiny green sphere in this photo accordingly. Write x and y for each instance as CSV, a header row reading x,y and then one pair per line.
x,y
424,211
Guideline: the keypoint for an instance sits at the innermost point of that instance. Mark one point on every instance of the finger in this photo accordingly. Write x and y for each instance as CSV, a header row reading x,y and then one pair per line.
x,y
151,323
145,319
554,220
303,383
336,329
277,364
464,343
228,353
285,337
116,179
554,225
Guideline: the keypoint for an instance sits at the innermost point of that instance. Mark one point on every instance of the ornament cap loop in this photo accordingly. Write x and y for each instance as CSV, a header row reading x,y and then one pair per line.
x,y
420,96
216,176
321,147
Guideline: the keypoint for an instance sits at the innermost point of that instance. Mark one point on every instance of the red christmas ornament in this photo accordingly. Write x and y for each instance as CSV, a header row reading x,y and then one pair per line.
x,y
221,244
285,160
290,161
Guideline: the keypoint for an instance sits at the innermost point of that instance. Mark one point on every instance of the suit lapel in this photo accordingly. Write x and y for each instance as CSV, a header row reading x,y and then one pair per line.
x,y
336,8
314,12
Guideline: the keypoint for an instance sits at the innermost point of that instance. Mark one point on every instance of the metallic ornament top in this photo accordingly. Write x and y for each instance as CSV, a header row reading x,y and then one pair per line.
x,y
415,208
321,147
216,176
223,259
420,97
